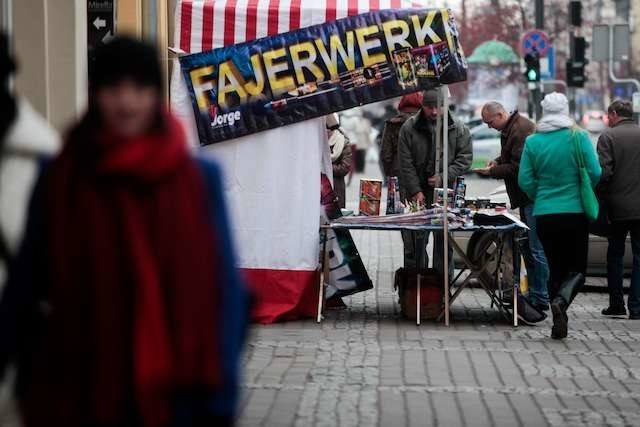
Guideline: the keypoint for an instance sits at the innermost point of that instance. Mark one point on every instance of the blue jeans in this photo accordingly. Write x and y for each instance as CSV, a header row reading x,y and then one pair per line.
x,y
534,259
615,255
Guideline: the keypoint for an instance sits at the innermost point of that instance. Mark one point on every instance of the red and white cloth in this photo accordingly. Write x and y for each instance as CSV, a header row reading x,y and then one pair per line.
x,y
272,179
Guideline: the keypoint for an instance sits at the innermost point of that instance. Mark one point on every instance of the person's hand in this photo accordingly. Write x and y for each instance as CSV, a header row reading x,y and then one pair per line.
x,y
418,197
482,171
434,181
491,163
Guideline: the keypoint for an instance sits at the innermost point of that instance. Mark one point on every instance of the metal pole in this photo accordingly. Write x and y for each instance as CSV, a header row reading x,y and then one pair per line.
x,y
535,93
323,274
611,73
445,201
7,27
539,5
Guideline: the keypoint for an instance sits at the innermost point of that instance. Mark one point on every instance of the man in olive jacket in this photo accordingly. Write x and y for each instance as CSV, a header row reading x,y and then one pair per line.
x,y
418,177
619,154
514,129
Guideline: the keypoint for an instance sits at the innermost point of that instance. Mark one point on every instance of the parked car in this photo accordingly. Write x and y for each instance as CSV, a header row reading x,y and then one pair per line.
x,y
486,145
472,123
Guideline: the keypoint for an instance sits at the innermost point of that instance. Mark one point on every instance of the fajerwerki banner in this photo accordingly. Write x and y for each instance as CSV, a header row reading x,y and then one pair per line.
x,y
279,80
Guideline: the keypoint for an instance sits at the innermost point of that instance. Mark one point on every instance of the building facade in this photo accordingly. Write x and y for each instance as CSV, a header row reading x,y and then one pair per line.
x,y
49,39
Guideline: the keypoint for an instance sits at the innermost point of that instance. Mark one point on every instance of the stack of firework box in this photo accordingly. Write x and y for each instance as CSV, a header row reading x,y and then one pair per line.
x,y
370,195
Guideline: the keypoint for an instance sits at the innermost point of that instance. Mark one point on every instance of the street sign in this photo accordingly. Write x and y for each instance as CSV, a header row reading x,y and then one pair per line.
x,y
600,43
548,65
635,98
621,42
534,40
101,22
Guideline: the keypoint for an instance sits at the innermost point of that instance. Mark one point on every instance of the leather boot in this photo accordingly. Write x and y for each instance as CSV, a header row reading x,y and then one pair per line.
x,y
566,293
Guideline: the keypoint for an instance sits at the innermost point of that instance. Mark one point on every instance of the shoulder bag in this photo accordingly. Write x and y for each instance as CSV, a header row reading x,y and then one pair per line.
x,y
589,200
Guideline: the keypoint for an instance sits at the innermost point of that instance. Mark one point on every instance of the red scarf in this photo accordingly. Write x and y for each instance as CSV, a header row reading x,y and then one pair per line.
x,y
132,283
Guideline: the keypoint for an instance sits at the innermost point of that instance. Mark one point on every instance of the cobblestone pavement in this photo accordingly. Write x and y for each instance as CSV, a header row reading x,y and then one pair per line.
x,y
367,366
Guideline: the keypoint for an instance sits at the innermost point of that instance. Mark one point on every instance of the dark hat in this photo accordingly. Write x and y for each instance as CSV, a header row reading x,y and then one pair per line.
x,y
122,58
430,97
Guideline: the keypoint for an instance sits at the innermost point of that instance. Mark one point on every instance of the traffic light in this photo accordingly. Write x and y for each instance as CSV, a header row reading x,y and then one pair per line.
x,y
575,13
532,64
575,74
577,62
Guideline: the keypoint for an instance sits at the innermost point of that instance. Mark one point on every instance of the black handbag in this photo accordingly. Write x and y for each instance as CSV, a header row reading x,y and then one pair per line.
x,y
602,225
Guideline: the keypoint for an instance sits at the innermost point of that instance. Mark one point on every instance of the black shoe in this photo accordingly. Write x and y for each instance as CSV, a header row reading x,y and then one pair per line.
x,y
567,292
634,316
560,321
614,311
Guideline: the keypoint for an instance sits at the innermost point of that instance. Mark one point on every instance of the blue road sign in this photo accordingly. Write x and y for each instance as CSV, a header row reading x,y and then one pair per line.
x,y
548,65
534,40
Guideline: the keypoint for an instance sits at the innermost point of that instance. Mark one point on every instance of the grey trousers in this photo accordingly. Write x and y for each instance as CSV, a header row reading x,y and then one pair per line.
x,y
417,241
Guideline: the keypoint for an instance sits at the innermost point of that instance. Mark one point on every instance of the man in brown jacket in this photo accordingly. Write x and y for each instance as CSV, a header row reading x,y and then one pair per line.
x,y
514,129
408,106
619,153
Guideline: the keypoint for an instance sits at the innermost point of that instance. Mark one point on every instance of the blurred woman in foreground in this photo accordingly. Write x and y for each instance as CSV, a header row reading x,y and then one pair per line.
x,y
123,307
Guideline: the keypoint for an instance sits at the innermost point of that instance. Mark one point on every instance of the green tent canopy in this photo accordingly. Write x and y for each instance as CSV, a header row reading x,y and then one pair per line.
x,y
494,52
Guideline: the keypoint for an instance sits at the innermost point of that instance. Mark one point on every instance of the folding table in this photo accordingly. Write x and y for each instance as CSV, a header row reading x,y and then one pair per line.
x,y
504,234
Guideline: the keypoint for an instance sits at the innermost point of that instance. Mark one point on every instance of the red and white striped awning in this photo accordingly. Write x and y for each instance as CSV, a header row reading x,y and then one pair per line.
x,y
273,198
202,25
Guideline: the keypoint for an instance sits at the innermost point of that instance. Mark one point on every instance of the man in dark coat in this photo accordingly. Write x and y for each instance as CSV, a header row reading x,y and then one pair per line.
x,y
514,129
417,160
408,106
619,154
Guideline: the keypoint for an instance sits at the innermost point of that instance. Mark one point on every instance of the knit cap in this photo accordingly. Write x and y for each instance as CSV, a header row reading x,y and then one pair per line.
x,y
555,103
410,103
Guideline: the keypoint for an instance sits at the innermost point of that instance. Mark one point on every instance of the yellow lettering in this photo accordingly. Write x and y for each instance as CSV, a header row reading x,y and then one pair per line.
x,y
273,64
230,81
201,85
335,45
368,45
256,88
307,62
423,31
398,39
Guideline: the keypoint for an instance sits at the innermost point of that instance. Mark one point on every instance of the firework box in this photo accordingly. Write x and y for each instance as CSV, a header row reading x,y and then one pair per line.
x,y
431,61
438,196
393,196
370,195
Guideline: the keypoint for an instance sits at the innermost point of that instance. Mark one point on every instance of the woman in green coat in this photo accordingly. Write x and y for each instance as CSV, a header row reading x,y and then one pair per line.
x,y
549,175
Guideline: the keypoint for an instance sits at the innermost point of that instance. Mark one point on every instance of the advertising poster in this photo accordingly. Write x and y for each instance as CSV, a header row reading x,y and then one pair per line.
x,y
347,273
310,72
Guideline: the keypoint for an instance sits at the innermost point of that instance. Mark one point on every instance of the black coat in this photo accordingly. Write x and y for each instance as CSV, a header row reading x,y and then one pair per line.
x,y
619,155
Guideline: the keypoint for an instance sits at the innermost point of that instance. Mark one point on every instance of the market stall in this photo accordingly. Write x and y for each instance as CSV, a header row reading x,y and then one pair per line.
x,y
274,159
506,228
